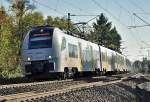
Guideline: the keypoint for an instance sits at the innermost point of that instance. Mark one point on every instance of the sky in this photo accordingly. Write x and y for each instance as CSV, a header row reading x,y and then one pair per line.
x,y
135,41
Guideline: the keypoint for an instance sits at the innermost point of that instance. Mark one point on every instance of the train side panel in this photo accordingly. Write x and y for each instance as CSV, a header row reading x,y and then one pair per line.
x,y
108,59
69,52
78,53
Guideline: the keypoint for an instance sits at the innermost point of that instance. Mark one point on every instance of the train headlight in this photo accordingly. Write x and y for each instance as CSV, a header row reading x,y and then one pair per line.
x,y
29,59
49,57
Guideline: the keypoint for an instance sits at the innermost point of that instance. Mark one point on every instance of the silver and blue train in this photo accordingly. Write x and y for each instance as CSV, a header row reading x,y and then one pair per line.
x,y
50,51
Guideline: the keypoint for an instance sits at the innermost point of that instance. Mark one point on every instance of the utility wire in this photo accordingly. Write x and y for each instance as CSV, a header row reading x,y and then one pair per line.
x,y
131,33
146,13
130,12
53,9
87,21
101,7
141,19
57,3
125,9
136,40
135,14
92,18
116,2
137,6
76,7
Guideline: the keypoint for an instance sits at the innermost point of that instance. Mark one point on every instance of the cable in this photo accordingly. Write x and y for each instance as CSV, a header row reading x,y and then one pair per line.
x,y
137,6
57,3
116,2
101,7
76,7
135,14
125,9
49,7
87,22
141,19
96,3
146,13
135,38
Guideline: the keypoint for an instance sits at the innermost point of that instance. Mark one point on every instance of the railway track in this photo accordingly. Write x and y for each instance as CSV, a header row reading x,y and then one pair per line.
x,y
29,96
32,91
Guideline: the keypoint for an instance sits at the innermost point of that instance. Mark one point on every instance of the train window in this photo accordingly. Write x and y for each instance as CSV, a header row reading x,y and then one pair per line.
x,y
63,44
72,51
40,38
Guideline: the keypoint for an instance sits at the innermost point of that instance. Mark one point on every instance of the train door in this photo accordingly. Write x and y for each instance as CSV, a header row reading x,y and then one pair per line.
x,y
100,56
63,57
91,59
113,62
80,56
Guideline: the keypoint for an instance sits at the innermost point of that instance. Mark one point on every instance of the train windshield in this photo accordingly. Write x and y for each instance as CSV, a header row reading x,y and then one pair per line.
x,y
40,38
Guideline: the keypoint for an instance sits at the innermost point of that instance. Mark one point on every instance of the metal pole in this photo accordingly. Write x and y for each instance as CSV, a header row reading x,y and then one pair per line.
x,y
69,21
148,54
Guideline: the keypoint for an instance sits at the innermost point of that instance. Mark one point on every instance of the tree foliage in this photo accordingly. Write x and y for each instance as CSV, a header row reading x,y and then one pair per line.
x,y
104,34
7,45
60,22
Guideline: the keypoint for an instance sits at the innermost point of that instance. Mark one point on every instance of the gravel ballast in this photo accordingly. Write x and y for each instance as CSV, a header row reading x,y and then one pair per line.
x,y
125,91
95,94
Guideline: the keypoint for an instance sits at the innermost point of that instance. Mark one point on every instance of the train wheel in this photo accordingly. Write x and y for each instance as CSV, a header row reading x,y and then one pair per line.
x,y
66,73
97,72
75,72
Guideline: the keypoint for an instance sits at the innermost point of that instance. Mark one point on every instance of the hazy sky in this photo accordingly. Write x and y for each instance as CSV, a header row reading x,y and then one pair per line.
x,y
119,12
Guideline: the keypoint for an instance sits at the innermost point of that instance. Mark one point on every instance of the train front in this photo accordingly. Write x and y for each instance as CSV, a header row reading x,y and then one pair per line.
x,y
37,51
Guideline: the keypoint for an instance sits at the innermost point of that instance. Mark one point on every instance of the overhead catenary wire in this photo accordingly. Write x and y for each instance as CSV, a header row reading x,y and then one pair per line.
x,y
141,19
88,21
137,6
125,9
135,14
135,38
58,1
76,7
130,13
140,8
50,8
131,33
101,7
145,13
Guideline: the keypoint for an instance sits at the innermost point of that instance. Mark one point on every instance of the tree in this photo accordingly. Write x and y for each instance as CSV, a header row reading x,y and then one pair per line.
x,y
62,23
7,45
59,22
2,19
32,19
104,34
116,40
11,35
19,9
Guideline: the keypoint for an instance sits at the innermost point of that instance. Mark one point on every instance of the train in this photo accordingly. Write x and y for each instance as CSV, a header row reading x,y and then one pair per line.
x,y
50,51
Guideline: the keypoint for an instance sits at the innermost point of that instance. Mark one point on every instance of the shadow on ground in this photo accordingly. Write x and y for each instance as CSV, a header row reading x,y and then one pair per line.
x,y
141,94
